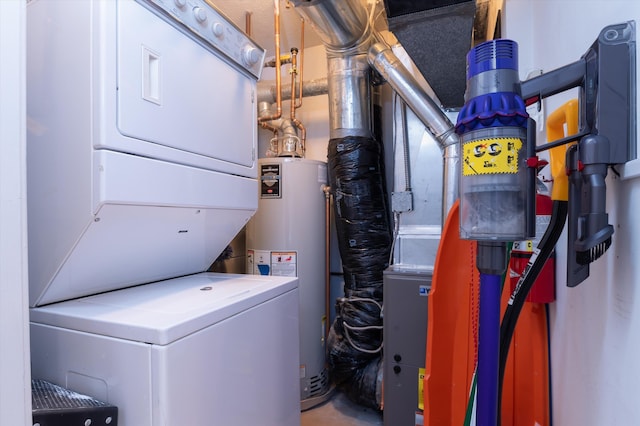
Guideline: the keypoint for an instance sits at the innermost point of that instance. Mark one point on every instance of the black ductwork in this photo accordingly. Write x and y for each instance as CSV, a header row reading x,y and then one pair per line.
x,y
396,8
437,34
356,176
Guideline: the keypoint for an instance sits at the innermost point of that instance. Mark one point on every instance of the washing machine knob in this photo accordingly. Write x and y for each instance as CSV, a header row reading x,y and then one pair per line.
x,y
250,55
218,29
180,3
200,14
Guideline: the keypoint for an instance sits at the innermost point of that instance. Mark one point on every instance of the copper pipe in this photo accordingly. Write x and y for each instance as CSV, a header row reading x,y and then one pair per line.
x,y
270,127
299,101
327,263
294,73
276,19
303,134
294,120
247,23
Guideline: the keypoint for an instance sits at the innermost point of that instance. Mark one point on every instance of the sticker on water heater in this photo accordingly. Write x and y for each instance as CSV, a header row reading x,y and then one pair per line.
x,y
258,262
284,263
490,156
270,181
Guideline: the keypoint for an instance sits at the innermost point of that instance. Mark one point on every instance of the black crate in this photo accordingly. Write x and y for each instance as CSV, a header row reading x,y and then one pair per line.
x,y
54,405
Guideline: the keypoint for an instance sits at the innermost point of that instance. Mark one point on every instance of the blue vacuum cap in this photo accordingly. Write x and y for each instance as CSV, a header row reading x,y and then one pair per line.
x,y
492,55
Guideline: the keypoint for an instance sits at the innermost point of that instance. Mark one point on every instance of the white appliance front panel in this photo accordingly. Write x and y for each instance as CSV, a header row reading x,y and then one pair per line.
x,y
133,220
240,369
110,370
177,93
86,64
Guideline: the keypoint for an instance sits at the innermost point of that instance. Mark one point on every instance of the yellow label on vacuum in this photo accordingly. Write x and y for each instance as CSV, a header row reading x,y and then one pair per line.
x,y
490,156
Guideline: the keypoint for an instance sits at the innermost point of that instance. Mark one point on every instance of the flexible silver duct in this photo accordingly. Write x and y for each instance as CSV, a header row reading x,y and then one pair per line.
x,y
382,58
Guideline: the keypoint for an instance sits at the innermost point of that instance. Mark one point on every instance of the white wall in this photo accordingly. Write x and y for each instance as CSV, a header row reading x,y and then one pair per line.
x,y
595,327
15,381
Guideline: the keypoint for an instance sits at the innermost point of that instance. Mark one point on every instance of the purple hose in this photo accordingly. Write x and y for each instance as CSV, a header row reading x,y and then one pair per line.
x,y
488,350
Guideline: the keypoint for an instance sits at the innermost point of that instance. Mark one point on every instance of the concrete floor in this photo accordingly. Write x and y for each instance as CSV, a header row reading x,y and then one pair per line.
x,y
340,411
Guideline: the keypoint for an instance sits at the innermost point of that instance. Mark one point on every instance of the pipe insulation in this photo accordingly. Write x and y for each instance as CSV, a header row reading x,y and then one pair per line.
x,y
356,176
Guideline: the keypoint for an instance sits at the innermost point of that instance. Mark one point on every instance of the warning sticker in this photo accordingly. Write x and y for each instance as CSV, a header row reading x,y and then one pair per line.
x,y
283,264
491,156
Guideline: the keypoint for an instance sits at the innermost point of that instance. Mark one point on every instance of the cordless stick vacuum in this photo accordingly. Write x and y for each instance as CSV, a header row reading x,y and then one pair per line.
x,y
497,189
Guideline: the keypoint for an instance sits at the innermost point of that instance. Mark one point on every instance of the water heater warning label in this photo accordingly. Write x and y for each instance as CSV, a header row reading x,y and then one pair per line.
x,y
270,180
284,263
276,263
490,156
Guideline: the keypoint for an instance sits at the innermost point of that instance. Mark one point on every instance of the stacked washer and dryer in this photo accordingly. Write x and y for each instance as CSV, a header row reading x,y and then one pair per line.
x,y
142,167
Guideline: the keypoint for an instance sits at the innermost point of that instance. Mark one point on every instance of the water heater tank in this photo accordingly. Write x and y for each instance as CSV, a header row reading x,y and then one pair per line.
x,y
286,237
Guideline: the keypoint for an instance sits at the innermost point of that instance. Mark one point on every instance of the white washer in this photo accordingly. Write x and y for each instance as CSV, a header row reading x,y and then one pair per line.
x,y
207,349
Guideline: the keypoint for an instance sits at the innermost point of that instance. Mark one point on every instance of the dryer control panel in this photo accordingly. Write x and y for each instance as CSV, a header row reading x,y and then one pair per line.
x,y
212,27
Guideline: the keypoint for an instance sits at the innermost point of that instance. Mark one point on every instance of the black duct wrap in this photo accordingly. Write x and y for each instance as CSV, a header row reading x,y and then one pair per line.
x,y
356,176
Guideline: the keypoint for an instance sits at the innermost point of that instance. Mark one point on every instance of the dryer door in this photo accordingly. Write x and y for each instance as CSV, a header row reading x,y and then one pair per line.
x,y
175,91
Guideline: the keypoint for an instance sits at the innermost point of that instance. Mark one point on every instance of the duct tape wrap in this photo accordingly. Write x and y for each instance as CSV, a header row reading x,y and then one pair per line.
x,y
364,233
356,176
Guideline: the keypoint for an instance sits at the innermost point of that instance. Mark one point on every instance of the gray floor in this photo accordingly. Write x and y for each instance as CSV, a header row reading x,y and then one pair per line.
x,y
340,411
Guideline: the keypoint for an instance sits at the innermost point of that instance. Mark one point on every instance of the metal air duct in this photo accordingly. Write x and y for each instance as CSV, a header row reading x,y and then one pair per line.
x,y
394,72
342,26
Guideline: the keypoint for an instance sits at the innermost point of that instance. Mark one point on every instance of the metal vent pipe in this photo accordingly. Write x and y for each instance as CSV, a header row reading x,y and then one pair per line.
x,y
342,27
339,24
267,92
402,81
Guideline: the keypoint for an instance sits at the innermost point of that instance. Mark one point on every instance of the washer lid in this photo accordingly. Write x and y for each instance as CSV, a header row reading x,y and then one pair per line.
x,y
164,311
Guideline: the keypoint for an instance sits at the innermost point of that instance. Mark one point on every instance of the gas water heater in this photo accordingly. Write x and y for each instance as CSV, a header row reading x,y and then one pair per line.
x,y
286,238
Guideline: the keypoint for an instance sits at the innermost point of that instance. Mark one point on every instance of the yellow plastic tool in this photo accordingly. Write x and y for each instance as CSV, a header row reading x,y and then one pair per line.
x,y
563,121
